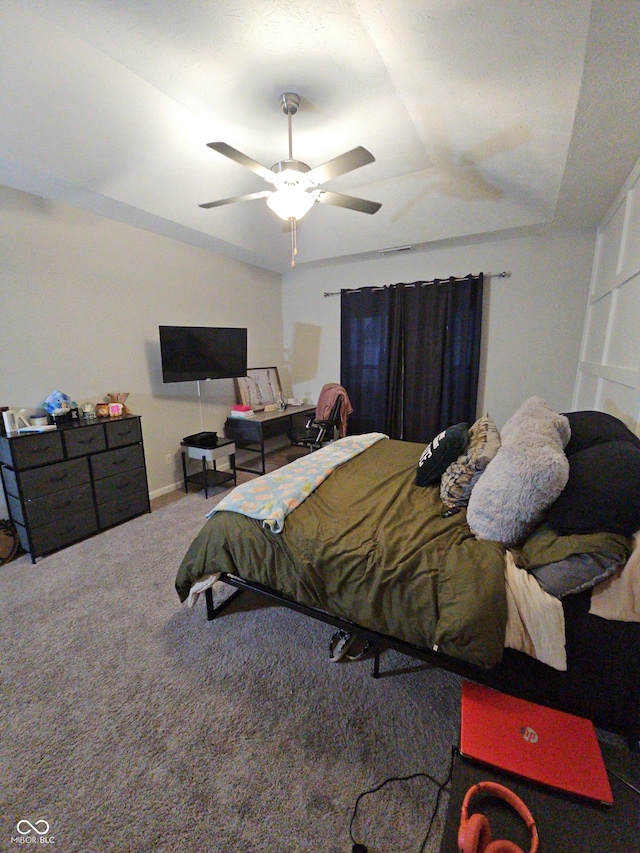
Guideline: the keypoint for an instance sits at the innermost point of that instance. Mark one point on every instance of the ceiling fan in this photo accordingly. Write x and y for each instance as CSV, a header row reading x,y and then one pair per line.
x,y
296,185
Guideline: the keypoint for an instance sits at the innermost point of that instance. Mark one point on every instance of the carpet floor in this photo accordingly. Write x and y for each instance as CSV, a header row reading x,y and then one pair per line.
x,y
130,723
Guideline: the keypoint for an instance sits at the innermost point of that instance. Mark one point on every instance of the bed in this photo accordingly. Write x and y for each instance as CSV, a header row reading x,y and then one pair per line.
x,y
359,540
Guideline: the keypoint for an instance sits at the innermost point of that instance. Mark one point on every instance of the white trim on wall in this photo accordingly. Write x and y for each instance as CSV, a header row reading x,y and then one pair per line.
x,y
608,377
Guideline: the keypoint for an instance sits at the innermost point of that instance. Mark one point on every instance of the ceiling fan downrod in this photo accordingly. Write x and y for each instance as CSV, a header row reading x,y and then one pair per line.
x,y
290,105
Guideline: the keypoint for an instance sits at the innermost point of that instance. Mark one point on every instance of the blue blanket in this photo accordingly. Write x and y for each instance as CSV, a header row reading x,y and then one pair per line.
x,y
272,497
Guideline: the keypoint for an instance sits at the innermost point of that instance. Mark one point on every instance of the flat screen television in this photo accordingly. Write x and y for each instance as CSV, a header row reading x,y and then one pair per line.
x,y
202,352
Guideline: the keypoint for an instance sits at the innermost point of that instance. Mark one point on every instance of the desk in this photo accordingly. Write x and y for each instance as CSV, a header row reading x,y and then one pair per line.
x,y
250,433
565,824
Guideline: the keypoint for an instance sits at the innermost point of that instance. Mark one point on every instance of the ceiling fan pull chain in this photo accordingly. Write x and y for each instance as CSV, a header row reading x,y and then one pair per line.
x,y
294,243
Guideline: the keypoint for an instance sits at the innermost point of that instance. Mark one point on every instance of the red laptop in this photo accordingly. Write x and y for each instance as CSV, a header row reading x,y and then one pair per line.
x,y
534,742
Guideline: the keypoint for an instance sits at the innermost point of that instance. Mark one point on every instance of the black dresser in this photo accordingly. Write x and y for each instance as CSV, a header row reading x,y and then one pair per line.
x,y
66,484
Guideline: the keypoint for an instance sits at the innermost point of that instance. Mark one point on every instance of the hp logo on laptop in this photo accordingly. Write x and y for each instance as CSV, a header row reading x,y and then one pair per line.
x,y
529,734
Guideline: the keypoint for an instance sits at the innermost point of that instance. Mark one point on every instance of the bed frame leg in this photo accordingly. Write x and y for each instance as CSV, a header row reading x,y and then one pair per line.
x,y
376,662
214,609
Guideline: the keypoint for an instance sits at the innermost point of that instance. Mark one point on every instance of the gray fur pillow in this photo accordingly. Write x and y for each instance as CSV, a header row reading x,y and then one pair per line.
x,y
536,407
524,478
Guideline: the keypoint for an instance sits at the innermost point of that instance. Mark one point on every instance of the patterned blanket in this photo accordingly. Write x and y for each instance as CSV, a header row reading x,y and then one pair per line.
x,y
272,497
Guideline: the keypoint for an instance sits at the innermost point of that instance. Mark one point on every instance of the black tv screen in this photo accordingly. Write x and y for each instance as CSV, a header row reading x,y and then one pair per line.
x,y
202,352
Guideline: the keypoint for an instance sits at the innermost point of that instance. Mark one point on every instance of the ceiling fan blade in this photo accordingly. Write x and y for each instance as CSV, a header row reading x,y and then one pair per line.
x,y
340,165
249,197
349,201
242,159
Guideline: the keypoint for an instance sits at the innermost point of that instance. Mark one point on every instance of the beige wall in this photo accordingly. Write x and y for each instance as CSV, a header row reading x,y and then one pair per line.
x,y
532,322
81,299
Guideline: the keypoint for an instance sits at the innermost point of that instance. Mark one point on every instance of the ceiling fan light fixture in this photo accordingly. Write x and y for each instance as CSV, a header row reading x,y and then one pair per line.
x,y
290,203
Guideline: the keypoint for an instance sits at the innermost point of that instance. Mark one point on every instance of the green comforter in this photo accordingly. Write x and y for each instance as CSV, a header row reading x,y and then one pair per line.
x,y
372,547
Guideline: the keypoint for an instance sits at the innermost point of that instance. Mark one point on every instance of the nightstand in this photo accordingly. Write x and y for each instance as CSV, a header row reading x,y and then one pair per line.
x,y
206,477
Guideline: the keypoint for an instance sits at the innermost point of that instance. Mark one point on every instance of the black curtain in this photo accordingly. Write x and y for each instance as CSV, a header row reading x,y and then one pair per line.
x,y
410,356
364,334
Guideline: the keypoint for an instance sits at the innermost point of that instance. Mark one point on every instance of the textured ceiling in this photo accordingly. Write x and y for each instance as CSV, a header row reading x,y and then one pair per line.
x,y
482,116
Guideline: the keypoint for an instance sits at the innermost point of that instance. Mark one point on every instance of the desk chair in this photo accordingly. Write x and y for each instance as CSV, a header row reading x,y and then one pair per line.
x,y
318,432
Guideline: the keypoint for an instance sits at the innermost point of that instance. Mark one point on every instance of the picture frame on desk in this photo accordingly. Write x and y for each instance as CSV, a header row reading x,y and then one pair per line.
x,y
259,388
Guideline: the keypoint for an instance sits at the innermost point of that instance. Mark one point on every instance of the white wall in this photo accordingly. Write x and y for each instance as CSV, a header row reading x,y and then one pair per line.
x,y
81,299
609,374
532,321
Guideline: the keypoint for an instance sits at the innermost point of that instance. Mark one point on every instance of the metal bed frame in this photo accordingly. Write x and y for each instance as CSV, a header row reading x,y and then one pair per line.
x,y
513,675
375,638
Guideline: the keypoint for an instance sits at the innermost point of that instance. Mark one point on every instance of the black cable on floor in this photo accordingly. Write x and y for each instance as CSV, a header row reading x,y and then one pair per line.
x,y
360,848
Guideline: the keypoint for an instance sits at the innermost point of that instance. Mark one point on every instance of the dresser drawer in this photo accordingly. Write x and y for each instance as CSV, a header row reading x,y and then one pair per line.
x,y
80,441
51,508
115,461
125,507
112,488
22,536
10,479
63,531
27,451
15,509
123,432
53,478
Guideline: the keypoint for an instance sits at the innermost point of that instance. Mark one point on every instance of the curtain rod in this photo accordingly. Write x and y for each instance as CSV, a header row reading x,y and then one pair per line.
x,y
503,274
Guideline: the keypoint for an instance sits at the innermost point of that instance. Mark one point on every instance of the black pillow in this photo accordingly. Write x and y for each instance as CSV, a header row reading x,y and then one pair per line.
x,y
602,493
440,453
590,428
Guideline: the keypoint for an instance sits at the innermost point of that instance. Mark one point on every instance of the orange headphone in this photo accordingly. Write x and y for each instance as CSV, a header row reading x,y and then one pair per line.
x,y
474,834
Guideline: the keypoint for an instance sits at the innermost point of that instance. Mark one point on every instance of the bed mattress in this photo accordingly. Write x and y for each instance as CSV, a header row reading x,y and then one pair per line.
x,y
371,547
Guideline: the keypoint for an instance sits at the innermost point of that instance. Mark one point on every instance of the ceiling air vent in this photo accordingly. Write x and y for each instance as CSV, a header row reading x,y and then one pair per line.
x,y
395,250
